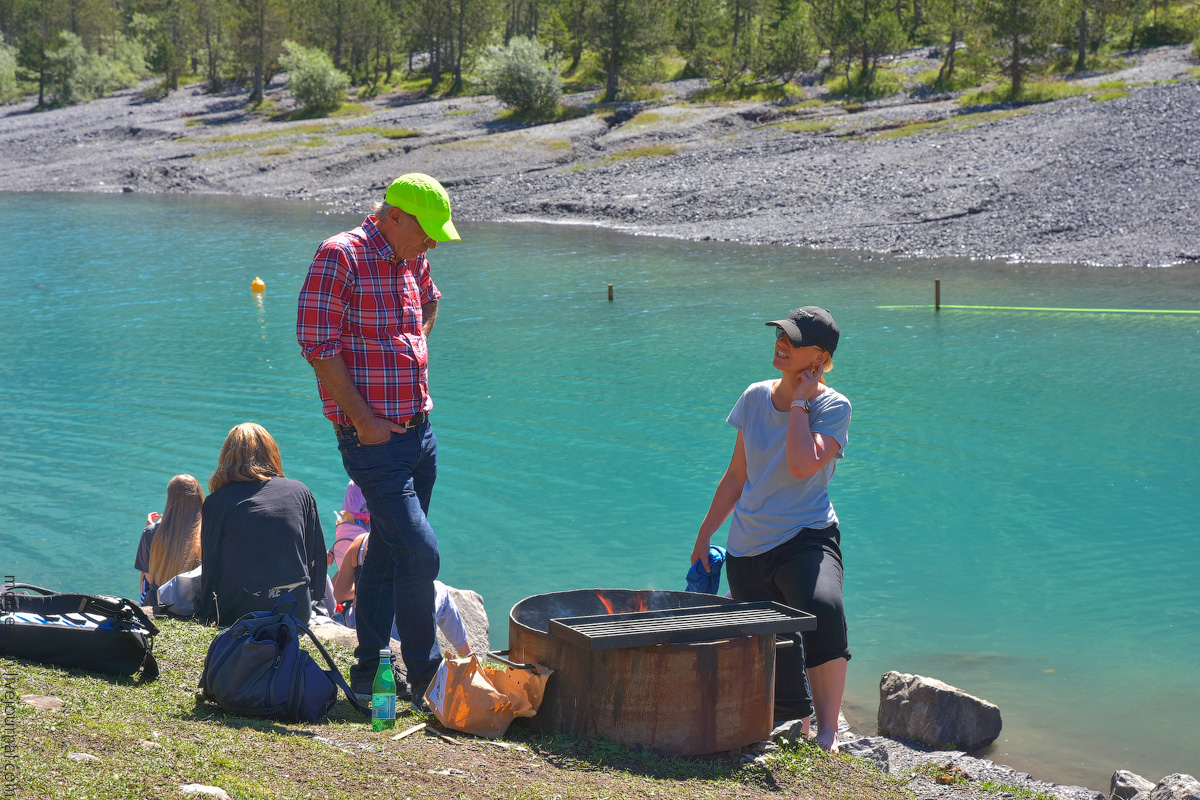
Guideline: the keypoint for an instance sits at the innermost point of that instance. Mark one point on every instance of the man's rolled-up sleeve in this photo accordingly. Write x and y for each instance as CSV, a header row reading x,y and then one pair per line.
x,y
324,297
429,292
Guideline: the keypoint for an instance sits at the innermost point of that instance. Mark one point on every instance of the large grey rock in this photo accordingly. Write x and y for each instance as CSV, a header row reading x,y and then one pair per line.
x,y
474,617
935,713
1125,785
333,633
1176,787
470,607
872,748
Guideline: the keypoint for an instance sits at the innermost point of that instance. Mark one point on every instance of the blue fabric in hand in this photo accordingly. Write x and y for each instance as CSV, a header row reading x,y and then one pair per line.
x,y
707,582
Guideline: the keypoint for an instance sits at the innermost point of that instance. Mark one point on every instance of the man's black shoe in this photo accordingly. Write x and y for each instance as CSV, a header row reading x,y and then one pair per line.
x,y
417,700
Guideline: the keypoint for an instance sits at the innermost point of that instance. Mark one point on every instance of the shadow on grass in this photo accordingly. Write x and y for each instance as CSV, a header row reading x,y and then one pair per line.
x,y
342,714
138,679
404,98
574,753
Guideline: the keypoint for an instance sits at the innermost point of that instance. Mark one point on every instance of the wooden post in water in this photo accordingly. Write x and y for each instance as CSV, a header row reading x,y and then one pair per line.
x,y
610,293
937,294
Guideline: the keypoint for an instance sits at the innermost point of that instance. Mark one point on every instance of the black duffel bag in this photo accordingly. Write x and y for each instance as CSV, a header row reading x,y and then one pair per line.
x,y
92,632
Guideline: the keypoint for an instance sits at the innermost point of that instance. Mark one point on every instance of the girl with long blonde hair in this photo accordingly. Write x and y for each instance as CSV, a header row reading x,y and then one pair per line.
x,y
171,542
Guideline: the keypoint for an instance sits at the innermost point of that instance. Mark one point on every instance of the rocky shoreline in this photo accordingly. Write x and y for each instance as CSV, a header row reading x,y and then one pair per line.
x,y
955,775
1106,177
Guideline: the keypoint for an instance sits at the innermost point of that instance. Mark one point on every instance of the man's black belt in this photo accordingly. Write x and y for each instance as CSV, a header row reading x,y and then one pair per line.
x,y
411,422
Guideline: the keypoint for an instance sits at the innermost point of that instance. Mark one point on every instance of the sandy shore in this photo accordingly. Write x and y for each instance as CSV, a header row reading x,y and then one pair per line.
x,y
1110,182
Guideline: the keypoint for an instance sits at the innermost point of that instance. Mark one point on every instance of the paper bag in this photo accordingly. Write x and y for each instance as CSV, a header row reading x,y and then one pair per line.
x,y
469,696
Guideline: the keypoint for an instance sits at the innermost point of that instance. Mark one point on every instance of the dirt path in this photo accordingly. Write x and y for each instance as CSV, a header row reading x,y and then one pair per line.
x,y
1083,179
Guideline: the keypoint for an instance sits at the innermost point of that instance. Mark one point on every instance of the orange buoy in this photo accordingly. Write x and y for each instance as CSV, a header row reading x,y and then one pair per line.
x,y
258,285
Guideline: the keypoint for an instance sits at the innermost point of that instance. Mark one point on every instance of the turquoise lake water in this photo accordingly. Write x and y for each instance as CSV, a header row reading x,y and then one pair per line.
x,y
1019,497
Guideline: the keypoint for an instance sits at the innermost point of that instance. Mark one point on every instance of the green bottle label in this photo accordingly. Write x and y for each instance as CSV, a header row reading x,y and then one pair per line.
x,y
383,711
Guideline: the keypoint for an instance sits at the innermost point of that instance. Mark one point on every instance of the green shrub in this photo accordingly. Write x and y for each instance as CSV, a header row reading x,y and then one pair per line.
x,y
65,65
588,74
636,91
128,56
312,79
522,76
963,78
1196,46
1110,94
882,84
738,90
8,72
1040,92
1167,23
100,74
386,133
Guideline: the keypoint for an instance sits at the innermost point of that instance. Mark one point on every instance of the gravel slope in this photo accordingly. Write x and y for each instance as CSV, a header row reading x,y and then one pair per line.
x,y
1109,183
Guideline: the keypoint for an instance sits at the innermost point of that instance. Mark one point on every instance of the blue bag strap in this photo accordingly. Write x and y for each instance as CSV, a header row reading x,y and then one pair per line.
x,y
286,604
334,673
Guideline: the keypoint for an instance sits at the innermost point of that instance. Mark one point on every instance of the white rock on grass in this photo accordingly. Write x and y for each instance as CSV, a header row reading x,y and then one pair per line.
x,y
42,702
82,757
201,790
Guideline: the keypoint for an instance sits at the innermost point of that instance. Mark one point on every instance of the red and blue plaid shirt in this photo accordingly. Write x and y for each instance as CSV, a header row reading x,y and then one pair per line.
x,y
361,301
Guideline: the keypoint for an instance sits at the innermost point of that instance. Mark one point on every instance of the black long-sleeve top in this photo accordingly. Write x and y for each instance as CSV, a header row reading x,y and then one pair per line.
x,y
260,540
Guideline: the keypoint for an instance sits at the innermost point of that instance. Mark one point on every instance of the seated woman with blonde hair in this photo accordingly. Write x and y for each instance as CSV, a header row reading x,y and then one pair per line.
x,y
260,533
171,542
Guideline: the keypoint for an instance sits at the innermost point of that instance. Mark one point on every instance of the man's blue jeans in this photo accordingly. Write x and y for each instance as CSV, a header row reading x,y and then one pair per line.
x,y
396,582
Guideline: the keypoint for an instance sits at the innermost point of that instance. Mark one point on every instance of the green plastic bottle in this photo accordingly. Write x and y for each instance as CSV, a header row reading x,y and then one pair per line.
x,y
383,694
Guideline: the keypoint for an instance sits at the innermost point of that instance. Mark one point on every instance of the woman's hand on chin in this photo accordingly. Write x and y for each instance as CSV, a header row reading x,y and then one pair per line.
x,y
808,382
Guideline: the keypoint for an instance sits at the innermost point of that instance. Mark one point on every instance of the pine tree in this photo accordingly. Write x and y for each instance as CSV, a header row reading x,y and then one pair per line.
x,y
1020,32
625,32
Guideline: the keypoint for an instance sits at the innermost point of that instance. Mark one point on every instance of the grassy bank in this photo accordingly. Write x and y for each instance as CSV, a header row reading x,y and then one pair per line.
x,y
147,739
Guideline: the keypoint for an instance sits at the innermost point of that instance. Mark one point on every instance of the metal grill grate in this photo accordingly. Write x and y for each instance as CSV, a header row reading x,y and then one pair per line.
x,y
681,625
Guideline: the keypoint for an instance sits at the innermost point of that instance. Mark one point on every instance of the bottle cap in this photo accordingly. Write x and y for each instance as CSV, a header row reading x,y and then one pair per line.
x,y
386,653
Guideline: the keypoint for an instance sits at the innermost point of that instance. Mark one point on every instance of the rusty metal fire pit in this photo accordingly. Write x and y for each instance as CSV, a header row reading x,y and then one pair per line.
x,y
676,673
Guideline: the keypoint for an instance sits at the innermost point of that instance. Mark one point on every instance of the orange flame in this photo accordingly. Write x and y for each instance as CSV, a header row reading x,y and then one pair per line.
x,y
607,603
638,605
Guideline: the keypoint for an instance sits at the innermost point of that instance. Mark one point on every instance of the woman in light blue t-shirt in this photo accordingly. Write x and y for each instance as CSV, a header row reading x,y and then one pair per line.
x,y
784,544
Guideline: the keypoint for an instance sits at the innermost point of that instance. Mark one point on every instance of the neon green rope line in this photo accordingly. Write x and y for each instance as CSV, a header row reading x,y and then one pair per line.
x,y
1076,310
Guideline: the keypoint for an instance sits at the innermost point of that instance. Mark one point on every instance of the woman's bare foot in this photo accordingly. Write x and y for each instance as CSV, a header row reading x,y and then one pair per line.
x,y
827,740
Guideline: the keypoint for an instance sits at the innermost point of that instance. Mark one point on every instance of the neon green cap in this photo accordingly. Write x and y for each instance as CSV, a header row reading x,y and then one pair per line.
x,y
426,199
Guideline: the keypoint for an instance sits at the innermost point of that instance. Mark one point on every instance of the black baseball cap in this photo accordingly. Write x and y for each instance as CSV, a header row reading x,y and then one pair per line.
x,y
808,327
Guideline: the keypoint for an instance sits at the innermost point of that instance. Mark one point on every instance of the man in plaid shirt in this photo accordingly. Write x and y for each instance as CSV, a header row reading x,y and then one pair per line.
x,y
365,313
